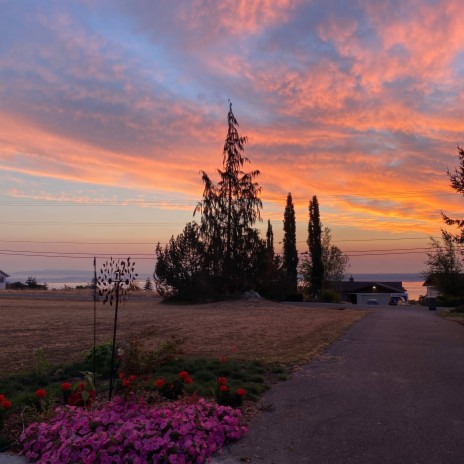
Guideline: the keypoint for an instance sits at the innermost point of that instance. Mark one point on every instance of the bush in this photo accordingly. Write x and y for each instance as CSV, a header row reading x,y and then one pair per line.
x,y
449,301
298,297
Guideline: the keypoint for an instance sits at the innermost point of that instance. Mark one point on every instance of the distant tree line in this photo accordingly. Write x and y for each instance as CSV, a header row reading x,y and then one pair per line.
x,y
30,284
223,255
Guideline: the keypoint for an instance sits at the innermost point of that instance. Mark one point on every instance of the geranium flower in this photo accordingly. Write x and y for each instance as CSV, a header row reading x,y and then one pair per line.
x,y
132,377
2,397
183,374
65,386
126,383
41,393
160,383
6,403
188,380
121,375
222,380
241,392
223,388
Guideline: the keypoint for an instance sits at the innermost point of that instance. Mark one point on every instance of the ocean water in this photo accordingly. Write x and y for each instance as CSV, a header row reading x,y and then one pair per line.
x,y
415,289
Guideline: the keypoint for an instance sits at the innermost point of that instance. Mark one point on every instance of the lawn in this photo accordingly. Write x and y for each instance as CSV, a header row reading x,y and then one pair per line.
x,y
61,326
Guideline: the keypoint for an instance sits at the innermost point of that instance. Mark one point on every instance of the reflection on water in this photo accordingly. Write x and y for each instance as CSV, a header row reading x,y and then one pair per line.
x,y
415,289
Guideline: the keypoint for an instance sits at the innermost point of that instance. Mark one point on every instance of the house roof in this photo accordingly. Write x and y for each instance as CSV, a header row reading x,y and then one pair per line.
x,y
367,287
4,273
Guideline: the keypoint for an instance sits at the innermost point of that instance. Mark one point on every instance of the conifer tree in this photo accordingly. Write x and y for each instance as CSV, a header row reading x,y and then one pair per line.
x,y
229,210
290,254
270,239
315,247
457,183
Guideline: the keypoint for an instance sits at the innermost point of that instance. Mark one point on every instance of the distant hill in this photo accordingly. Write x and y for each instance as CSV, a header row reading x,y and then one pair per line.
x,y
58,275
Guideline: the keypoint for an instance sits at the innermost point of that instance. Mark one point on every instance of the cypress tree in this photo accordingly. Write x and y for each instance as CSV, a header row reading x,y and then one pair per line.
x,y
290,255
270,239
315,247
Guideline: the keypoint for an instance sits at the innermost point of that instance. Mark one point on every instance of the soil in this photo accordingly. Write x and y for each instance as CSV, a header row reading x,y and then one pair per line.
x,y
61,324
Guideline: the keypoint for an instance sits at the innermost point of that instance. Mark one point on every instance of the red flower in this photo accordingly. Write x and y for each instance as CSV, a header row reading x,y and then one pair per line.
x,y
6,404
126,383
160,383
65,386
183,374
81,386
222,380
41,393
223,388
2,397
241,392
75,399
132,377
188,380
121,375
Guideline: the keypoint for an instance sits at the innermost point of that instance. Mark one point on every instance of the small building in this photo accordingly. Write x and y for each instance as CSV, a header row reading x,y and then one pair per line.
x,y
362,291
3,276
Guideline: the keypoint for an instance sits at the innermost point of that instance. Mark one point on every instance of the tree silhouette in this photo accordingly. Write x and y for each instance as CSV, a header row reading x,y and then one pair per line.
x,y
229,210
457,183
290,253
315,247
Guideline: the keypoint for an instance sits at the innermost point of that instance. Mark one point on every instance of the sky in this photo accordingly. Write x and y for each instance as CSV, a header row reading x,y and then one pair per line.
x,y
110,109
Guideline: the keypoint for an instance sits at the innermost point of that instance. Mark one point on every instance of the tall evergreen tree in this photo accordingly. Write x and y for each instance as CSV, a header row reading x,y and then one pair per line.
x,y
290,255
315,247
229,210
270,239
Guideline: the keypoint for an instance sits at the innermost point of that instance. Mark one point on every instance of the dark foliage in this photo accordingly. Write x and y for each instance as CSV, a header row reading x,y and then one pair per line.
x,y
315,247
290,253
457,183
182,270
229,210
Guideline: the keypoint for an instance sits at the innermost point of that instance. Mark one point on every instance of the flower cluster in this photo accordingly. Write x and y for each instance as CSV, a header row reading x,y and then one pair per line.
x,y
82,394
225,396
171,389
131,431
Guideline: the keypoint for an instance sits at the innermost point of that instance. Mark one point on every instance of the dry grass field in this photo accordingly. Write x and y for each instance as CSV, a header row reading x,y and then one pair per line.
x,y
62,325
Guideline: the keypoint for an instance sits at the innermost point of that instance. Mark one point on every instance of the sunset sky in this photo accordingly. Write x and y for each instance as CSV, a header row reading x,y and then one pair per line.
x,y
109,110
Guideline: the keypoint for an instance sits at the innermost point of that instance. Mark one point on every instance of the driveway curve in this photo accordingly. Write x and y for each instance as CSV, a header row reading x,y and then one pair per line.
x,y
390,391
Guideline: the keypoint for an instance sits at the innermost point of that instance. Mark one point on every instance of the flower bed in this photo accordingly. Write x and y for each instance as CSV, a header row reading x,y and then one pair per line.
x,y
133,432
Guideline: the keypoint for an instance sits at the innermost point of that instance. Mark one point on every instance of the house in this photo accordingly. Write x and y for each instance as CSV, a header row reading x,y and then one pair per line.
x,y
3,276
362,291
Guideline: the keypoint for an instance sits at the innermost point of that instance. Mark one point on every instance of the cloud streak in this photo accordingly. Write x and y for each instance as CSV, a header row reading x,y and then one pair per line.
x,y
356,102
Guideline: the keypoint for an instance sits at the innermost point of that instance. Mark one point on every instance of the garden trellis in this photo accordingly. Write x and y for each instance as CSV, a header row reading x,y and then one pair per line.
x,y
115,280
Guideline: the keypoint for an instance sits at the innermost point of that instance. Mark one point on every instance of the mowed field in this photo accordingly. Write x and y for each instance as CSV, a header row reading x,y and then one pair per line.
x,y
62,325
